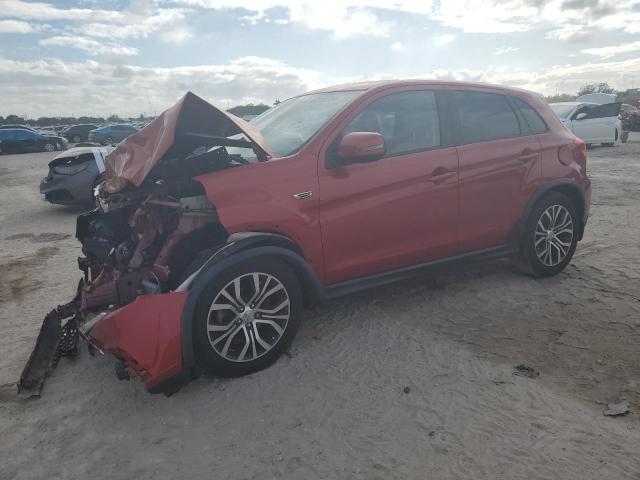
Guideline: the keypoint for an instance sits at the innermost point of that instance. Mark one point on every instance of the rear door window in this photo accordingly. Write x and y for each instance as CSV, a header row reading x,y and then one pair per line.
x,y
484,116
23,135
534,120
408,121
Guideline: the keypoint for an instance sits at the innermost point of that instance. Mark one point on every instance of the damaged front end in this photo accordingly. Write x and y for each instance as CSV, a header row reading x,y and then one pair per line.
x,y
154,227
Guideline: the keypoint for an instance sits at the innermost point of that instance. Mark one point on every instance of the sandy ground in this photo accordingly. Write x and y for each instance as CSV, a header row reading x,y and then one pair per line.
x,y
410,381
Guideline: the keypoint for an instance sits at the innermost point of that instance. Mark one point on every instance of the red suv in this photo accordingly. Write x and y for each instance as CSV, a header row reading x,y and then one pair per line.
x,y
213,233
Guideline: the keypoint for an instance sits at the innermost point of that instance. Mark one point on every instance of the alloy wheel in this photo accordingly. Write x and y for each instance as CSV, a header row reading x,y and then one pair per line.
x,y
553,235
49,147
248,317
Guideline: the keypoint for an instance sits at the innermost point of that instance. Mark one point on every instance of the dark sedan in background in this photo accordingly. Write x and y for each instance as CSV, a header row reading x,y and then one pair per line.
x,y
111,134
18,140
78,133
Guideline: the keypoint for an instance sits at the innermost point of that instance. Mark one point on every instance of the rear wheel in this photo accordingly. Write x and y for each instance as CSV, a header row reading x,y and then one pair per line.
x,y
550,236
247,317
49,147
107,141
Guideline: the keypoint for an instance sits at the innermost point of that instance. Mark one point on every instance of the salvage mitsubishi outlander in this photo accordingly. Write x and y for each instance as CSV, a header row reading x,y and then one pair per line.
x,y
213,234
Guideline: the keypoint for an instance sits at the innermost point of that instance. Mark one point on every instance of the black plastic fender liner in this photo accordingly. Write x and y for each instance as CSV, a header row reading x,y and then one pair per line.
x,y
46,352
220,262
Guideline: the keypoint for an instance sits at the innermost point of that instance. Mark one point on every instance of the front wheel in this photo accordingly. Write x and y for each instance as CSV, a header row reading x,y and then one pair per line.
x,y
550,236
247,317
49,147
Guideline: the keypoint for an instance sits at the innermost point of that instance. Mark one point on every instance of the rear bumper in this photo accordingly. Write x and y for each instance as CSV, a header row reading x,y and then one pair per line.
x,y
146,335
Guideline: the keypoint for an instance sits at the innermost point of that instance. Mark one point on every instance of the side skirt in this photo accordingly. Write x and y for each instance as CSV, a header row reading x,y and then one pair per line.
x,y
363,283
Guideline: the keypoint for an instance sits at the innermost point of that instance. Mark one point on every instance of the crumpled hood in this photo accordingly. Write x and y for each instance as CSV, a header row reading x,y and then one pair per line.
x,y
190,123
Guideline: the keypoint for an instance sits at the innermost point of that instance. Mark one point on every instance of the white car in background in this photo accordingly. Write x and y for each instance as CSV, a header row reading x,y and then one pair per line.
x,y
591,122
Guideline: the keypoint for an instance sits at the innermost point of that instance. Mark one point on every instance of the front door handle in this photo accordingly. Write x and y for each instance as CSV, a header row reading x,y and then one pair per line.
x,y
441,174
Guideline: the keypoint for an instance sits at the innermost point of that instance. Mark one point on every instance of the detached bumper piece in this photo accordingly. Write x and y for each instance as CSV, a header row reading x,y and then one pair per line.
x,y
145,336
54,341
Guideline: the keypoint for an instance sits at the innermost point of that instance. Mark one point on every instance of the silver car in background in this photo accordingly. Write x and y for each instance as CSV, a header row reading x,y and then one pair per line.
x,y
73,175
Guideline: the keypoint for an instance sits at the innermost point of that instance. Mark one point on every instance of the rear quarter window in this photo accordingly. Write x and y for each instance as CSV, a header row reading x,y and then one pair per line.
x,y
534,121
484,116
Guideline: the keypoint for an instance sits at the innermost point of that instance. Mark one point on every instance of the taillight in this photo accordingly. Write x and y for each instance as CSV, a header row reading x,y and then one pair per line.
x,y
580,154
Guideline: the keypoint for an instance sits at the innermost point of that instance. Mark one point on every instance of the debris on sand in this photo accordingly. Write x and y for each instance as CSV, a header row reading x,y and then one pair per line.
x,y
406,389
616,409
526,371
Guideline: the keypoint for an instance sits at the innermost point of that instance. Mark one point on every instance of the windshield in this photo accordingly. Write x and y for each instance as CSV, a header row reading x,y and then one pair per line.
x,y
293,122
562,110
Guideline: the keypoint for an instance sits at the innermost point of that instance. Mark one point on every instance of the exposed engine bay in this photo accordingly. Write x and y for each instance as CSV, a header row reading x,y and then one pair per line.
x,y
145,242
142,245
153,226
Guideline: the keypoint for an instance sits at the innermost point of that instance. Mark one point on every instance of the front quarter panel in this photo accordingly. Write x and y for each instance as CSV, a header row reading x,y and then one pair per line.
x,y
260,197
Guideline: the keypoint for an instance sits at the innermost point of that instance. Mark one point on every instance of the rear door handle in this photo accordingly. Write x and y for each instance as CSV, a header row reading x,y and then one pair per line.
x,y
528,155
440,174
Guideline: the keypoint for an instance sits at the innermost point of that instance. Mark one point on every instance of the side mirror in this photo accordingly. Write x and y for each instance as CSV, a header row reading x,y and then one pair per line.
x,y
580,116
361,147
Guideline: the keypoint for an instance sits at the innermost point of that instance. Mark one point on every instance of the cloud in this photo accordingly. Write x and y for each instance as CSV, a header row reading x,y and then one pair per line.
x,y
607,52
344,18
40,11
18,26
93,47
442,40
137,26
569,33
398,47
503,50
140,19
55,87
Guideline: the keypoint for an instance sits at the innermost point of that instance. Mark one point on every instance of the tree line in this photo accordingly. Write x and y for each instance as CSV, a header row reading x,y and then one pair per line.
x,y
239,110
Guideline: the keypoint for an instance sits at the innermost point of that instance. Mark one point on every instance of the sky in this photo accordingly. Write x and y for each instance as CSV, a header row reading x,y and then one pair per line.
x,y
132,57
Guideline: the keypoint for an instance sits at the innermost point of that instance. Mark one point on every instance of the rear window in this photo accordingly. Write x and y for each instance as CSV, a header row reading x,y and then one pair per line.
x,y
484,116
534,121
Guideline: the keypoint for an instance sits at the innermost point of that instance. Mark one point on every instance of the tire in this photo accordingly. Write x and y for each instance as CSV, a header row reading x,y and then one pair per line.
x,y
49,147
615,140
107,141
228,351
76,139
561,244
